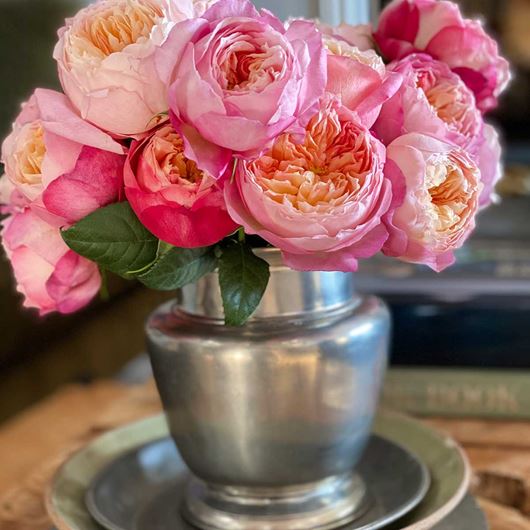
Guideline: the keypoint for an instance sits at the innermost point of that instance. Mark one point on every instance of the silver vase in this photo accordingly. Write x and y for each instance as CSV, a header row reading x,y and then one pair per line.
x,y
272,418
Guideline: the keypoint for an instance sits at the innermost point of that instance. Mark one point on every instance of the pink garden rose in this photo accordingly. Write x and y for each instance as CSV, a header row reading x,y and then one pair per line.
x,y
106,64
434,100
238,78
49,275
438,29
360,36
441,201
322,200
176,201
359,78
52,156
488,158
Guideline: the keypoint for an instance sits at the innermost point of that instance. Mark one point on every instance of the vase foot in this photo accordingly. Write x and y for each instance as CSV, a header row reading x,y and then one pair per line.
x,y
321,506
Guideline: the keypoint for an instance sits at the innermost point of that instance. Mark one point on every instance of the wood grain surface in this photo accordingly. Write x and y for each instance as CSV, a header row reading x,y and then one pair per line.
x,y
35,443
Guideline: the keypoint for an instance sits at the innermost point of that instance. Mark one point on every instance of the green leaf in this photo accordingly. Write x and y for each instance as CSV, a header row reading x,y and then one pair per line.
x,y
114,238
243,278
178,267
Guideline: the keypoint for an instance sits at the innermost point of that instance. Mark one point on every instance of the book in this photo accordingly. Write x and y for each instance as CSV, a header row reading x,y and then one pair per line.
x,y
500,394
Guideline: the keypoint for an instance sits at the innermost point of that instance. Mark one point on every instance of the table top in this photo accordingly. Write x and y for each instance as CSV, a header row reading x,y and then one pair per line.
x,y
35,443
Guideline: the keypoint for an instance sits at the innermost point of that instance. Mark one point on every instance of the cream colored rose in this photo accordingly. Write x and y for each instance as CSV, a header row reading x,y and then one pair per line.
x,y
106,60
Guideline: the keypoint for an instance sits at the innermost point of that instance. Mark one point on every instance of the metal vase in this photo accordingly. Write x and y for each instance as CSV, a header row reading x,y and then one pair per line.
x,y
272,418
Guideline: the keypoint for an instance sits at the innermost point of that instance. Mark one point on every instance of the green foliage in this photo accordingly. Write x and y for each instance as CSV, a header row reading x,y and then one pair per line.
x,y
243,278
115,239
178,267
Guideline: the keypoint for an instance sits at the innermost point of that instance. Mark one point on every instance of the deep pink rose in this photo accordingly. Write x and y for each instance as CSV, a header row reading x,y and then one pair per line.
x,y
49,275
105,56
441,201
238,78
322,200
438,29
59,165
176,201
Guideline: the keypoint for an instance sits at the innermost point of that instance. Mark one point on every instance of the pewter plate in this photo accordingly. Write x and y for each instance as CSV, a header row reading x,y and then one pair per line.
x,y
143,489
448,468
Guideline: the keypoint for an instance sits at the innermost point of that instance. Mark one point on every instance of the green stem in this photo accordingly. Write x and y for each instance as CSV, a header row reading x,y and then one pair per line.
x,y
241,235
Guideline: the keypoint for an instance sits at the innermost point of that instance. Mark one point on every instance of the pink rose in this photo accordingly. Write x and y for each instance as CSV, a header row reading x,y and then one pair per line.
x,y
432,100
359,35
359,78
438,29
238,78
322,200
52,155
105,56
176,201
441,201
49,275
488,158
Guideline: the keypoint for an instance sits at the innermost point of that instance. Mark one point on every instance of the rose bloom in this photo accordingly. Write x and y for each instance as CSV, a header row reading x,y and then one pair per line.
x,y
49,275
52,156
105,56
238,78
359,78
176,201
321,201
441,201
438,29
434,100
360,36
489,160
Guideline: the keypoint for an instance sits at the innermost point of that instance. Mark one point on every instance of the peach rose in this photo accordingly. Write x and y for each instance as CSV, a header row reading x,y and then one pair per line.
x,y
106,65
49,275
321,201
441,201
176,201
53,155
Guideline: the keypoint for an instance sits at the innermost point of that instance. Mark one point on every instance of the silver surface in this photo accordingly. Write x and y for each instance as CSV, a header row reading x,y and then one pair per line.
x,y
285,402
144,489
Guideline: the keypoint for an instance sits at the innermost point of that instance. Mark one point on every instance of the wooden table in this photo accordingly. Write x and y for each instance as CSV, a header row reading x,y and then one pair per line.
x,y
35,443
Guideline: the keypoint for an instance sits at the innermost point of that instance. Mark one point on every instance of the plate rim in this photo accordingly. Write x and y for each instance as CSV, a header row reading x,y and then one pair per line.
x,y
430,520
395,515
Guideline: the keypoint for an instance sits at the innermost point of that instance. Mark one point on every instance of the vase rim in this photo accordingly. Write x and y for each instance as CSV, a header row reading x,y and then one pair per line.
x,y
290,293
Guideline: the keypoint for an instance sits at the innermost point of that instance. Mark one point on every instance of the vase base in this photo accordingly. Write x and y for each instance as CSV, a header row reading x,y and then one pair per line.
x,y
324,505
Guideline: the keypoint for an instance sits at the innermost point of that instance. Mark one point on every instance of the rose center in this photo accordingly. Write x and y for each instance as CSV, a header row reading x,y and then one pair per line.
x,y
452,102
177,168
327,169
30,154
450,190
113,26
247,66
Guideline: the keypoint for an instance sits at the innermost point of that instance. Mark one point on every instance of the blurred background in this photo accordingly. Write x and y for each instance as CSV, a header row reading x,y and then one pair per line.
x,y
474,315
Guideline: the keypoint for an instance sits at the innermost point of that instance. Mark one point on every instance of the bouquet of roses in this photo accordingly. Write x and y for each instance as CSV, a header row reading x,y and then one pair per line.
x,y
190,131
